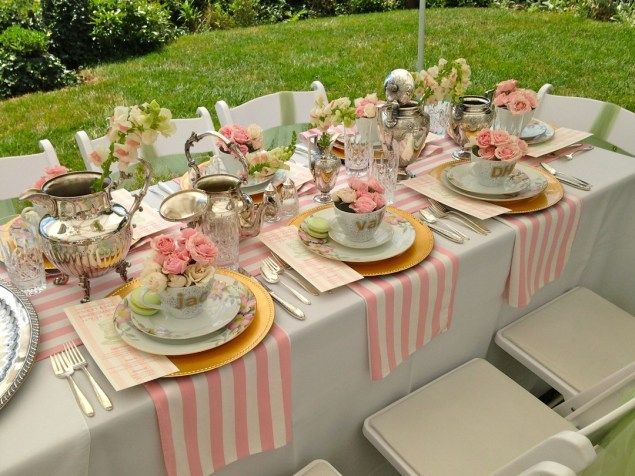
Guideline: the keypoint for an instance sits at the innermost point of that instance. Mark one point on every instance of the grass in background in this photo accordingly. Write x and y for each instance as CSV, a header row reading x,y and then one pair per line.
x,y
351,55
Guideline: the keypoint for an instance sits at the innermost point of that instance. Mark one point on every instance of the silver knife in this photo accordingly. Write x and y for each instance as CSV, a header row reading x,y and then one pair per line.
x,y
290,308
568,179
450,235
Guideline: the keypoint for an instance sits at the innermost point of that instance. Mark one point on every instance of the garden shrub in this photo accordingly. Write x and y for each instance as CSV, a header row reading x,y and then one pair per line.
x,y
27,66
603,10
244,12
215,18
24,13
68,22
130,27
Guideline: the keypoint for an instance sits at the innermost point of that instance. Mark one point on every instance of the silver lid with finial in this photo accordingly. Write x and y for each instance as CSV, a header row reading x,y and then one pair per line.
x,y
399,86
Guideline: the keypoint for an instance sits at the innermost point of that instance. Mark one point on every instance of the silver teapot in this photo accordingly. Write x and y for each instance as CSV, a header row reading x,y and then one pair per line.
x,y
84,233
403,124
468,116
198,208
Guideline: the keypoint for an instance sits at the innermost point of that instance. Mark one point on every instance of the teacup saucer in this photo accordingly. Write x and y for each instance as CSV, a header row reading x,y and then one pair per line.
x,y
221,307
382,235
463,177
533,130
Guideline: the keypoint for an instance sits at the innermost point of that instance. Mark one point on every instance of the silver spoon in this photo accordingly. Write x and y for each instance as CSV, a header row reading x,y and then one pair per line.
x,y
584,148
272,277
432,218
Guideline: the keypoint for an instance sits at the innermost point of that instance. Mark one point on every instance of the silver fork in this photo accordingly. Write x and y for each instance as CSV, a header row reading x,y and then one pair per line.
x,y
570,155
64,369
441,212
79,362
279,267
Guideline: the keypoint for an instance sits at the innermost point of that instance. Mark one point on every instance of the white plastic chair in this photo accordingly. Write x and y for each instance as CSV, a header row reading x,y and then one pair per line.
x,y
572,342
22,171
164,146
287,108
608,122
475,420
548,468
318,467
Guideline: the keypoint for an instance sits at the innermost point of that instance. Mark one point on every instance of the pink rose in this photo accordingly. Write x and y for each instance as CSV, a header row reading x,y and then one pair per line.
x,y
243,148
499,137
173,265
379,200
359,111
40,182
484,138
358,185
506,86
532,97
522,146
182,254
364,204
159,258
201,249
55,171
240,136
507,152
163,244
487,153
185,234
518,103
501,100
373,184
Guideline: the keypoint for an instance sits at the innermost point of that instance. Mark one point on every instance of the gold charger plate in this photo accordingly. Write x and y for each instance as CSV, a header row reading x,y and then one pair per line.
x,y
234,349
420,249
549,197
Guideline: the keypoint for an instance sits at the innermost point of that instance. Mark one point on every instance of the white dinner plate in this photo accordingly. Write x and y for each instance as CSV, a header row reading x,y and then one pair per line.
x,y
462,176
153,345
537,184
403,237
221,307
382,235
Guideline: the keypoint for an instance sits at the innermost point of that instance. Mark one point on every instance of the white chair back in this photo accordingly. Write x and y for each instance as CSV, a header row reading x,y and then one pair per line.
x,y
548,468
273,110
164,146
22,171
607,122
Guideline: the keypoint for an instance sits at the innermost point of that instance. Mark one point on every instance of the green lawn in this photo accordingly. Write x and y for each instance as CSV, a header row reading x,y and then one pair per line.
x,y
350,55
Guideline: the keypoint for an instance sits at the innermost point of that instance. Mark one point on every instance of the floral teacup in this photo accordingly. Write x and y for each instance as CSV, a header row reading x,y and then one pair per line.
x,y
492,173
359,227
181,303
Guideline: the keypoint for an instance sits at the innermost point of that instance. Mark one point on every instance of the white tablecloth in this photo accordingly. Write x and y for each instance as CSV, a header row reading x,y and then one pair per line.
x,y
43,432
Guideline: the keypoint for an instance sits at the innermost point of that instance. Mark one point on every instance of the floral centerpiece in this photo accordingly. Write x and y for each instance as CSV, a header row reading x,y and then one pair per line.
x,y
445,80
514,106
49,173
325,115
260,162
495,154
360,208
129,128
180,271
366,113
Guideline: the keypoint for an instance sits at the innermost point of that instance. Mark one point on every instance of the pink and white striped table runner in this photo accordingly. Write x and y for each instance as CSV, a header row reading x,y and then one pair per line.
x,y
206,421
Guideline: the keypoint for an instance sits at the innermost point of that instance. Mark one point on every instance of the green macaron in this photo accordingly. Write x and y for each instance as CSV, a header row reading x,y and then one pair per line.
x,y
317,225
138,301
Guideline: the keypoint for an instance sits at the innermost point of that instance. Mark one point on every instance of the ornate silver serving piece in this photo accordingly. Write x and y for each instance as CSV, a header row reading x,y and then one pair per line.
x,y
84,233
195,208
19,331
469,115
403,124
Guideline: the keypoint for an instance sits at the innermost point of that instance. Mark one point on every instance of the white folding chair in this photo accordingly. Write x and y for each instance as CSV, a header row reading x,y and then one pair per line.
x,y
273,111
22,171
548,468
475,420
318,467
608,122
572,342
164,146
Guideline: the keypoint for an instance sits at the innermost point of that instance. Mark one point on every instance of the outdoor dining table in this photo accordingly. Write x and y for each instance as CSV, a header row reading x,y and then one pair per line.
x,y
42,431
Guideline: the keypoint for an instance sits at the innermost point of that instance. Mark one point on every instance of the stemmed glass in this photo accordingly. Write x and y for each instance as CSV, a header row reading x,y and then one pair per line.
x,y
357,152
384,169
324,167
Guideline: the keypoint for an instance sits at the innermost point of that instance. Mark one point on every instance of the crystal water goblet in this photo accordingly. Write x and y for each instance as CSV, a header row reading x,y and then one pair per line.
x,y
325,170
357,154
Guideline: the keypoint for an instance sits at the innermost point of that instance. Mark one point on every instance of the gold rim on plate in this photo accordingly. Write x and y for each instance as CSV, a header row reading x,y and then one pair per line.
x,y
547,198
191,364
420,249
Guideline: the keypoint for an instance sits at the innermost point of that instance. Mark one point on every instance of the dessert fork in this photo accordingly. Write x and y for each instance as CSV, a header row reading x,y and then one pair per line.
x,y
78,362
63,369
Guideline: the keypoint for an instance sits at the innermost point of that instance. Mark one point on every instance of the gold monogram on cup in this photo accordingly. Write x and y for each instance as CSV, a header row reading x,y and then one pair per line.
x,y
502,170
181,303
368,224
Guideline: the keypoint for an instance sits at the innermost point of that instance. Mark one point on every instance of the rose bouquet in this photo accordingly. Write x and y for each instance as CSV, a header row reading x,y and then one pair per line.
x,y
361,196
181,261
498,145
367,106
247,139
49,173
130,127
517,101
